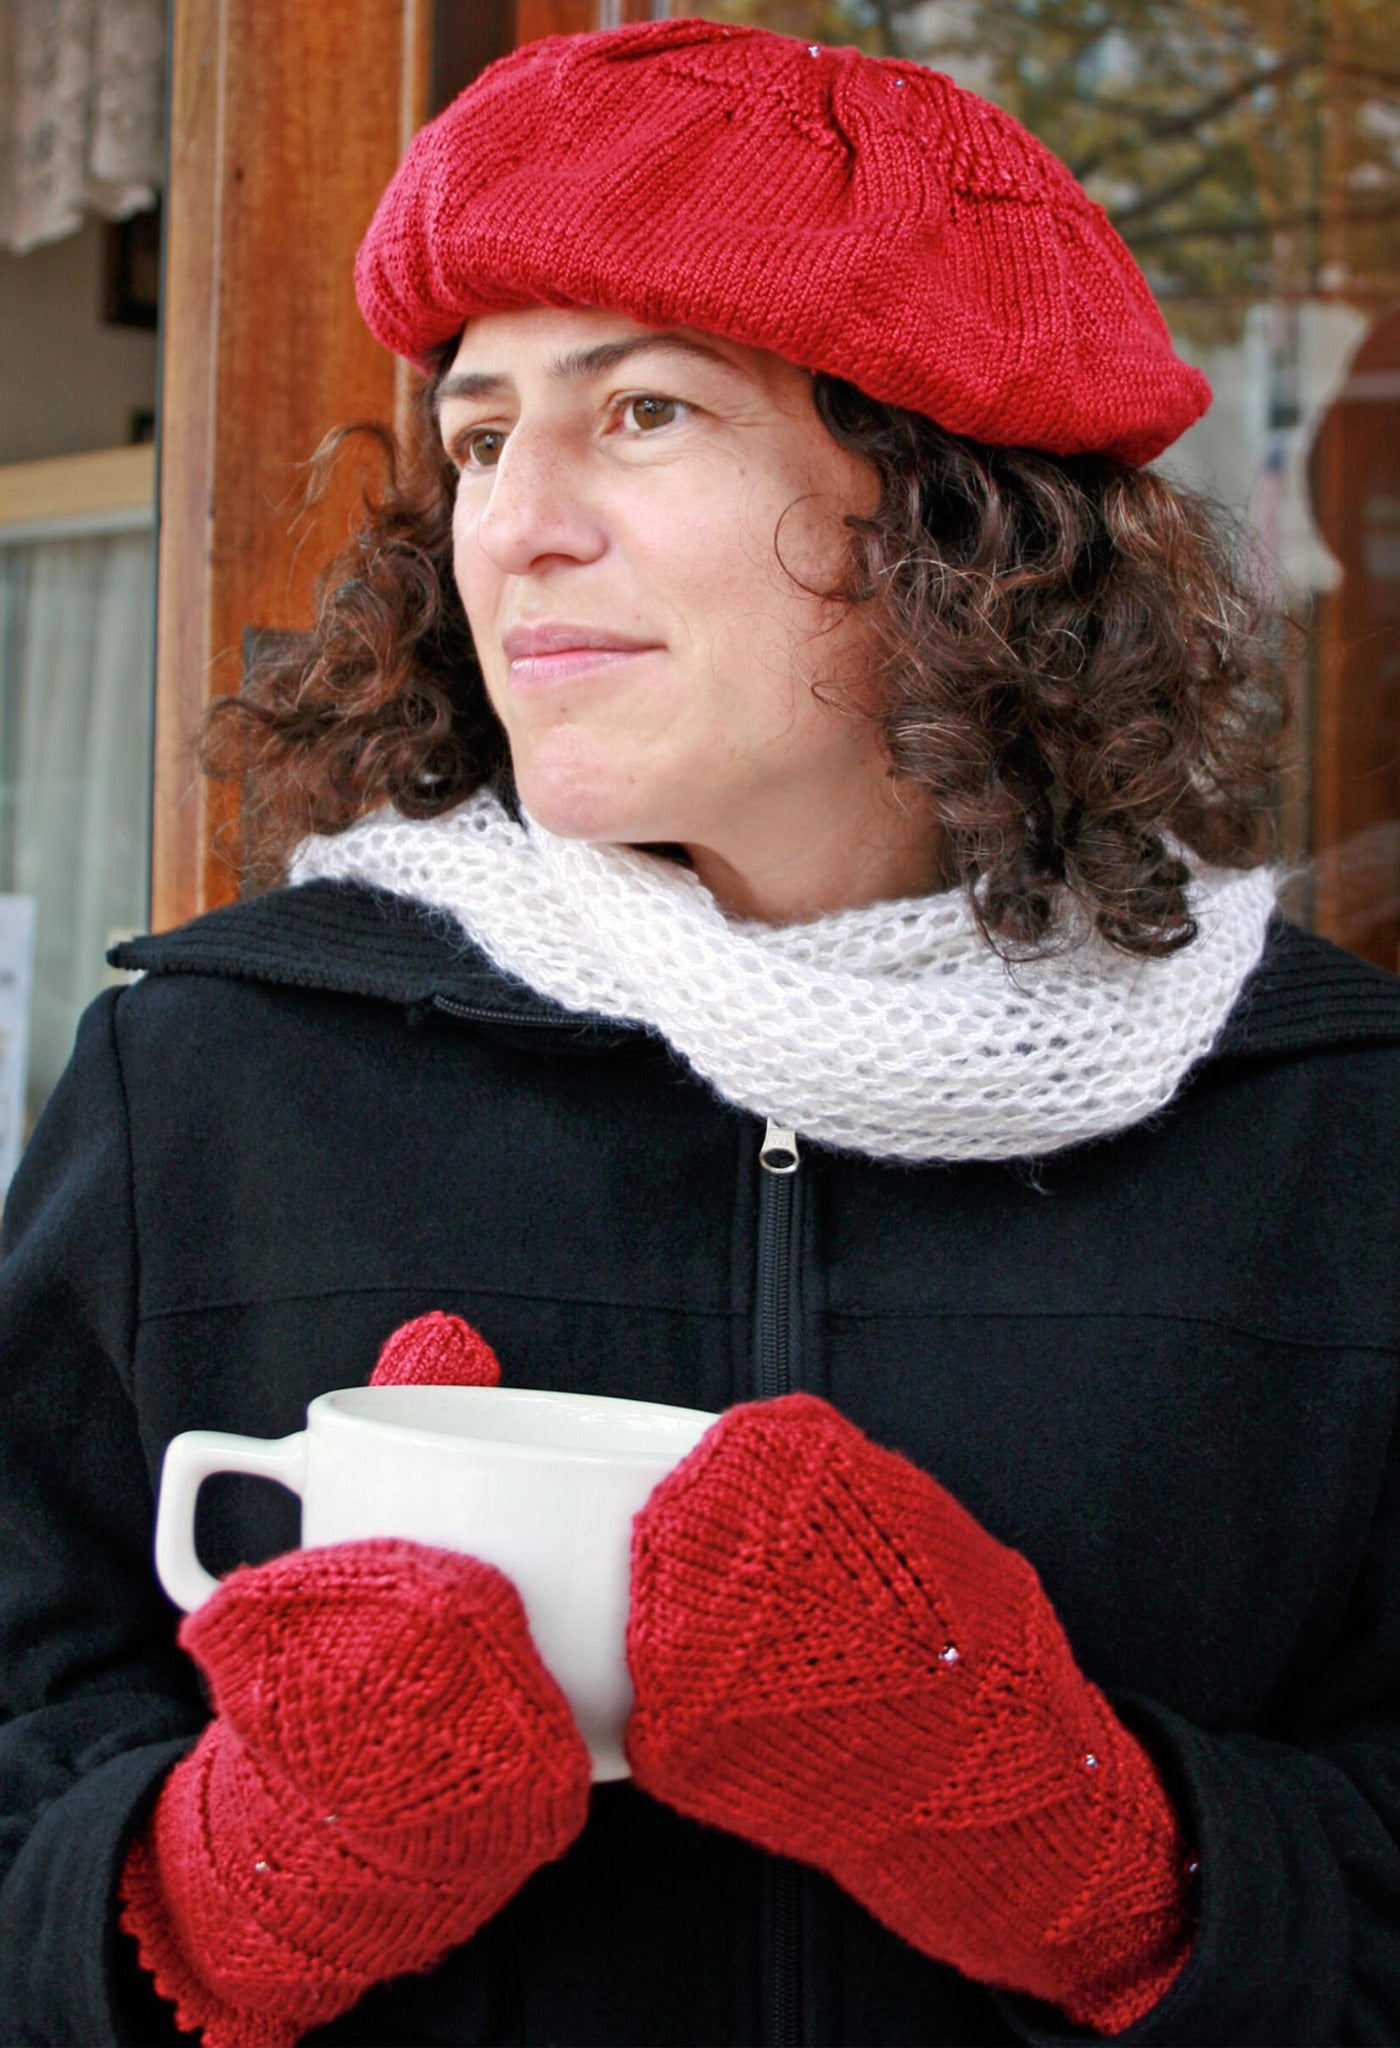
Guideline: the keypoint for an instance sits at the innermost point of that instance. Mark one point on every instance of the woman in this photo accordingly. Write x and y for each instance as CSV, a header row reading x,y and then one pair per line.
x,y
778,927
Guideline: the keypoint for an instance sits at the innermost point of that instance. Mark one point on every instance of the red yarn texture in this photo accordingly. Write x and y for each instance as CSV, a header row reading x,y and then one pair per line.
x,y
389,1762
862,216
436,1350
833,1660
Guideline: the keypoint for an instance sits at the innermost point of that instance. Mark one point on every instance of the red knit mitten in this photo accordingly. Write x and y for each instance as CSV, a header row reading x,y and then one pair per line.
x,y
389,1762
833,1660
436,1350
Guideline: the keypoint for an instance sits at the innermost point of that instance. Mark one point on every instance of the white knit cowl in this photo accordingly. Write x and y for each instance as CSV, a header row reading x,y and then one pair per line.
x,y
892,1030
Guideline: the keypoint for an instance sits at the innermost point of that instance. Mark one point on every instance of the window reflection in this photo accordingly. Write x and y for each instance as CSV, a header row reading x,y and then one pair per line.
x,y
1250,157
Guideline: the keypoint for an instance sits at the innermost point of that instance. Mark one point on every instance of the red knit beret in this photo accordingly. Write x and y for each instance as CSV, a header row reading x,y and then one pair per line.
x,y
862,216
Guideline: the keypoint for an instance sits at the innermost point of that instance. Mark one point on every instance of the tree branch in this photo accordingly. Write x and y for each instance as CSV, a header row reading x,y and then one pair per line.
x,y
1163,196
1309,217
1187,123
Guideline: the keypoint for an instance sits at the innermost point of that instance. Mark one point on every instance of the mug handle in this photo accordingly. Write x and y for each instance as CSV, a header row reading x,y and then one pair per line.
x,y
192,1458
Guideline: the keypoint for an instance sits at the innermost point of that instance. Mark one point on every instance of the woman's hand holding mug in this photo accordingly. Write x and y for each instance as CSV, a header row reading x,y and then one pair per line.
x,y
834,1660
830,1657
408,1712
388,1762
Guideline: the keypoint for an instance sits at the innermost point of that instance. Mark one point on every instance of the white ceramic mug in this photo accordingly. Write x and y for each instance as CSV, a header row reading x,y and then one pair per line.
x,y
542,1485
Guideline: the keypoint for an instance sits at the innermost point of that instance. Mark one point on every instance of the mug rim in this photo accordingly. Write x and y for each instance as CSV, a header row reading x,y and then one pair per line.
x,y
331,1404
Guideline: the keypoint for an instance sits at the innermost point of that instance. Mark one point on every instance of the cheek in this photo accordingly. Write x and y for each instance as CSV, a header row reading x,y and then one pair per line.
x,y
478,582
466,556
726,575
770,605
463,554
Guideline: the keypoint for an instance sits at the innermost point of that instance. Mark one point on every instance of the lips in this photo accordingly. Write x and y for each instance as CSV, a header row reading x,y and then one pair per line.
x,y
531,643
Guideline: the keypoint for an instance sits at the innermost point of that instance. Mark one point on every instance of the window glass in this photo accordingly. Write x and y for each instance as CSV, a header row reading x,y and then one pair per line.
x,y
77,619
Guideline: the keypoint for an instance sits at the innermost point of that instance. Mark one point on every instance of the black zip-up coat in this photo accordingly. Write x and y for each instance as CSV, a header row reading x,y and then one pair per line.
x,y
1163,1365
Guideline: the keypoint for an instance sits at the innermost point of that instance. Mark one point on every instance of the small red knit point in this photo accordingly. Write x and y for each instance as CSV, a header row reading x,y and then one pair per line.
x,y
436,1350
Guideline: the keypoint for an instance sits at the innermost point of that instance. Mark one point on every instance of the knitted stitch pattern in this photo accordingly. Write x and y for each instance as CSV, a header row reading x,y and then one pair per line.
x,y
389,1762
862,216
436,1350
834,1660
892,1030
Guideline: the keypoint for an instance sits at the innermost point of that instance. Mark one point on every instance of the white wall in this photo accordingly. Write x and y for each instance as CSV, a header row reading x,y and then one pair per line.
x,y
67,383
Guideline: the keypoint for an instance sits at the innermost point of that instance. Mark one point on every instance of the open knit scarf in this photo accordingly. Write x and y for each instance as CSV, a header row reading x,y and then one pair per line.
x,y
892,1030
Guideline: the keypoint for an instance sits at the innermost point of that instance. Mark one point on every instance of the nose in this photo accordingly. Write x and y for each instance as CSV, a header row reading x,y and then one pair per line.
x,y
537,506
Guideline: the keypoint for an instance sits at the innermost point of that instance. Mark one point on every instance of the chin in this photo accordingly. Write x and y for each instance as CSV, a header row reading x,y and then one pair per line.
x,y
580,805
585,811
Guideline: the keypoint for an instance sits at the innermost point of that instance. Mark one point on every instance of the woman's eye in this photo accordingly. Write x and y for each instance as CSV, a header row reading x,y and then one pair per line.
x,y
479,449
646,413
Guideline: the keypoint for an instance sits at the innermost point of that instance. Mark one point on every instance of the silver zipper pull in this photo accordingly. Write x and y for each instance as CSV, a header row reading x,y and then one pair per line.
x,y
778,1153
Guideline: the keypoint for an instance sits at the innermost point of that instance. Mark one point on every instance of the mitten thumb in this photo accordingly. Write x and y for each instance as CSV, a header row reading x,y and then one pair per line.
x,y
436,1350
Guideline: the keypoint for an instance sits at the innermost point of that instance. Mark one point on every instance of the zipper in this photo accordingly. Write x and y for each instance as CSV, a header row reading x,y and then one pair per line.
x,y
775,1363
779,1160
608,1031
450,1007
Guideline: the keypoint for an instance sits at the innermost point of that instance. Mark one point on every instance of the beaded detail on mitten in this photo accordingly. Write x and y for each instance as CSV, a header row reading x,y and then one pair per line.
x,y
389,1762
834,1660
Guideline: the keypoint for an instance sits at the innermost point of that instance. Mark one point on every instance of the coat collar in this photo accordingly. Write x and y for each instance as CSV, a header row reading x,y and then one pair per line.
x,y
344,939
340,938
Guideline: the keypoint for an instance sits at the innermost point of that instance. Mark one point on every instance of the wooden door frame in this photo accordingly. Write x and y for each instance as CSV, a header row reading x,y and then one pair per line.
x,y
276,161
287,121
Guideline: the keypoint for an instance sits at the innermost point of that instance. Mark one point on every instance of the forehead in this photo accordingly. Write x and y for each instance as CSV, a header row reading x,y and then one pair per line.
x,y
574,344
542,328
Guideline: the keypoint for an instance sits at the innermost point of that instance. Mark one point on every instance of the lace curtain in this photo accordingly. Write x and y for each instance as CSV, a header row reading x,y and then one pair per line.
x,y
82,113
77,628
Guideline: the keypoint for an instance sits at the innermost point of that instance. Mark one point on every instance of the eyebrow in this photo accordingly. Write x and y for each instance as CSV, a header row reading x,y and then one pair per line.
x,y
580,363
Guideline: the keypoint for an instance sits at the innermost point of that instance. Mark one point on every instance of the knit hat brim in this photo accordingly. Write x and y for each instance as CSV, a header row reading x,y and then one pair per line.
x,y
866,218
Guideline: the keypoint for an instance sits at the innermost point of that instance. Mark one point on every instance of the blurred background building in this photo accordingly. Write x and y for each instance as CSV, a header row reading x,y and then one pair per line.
x,y
182,188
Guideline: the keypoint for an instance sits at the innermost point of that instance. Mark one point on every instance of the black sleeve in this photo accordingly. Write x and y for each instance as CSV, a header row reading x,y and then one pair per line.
x,y
1298,1838
96,1698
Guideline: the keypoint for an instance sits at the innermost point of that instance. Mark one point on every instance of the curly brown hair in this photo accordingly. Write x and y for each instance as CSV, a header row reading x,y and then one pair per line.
x,y
1069,669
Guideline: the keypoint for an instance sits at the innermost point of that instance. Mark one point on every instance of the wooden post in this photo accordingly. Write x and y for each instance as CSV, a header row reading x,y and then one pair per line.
x,y
1356,772
287,121
535,19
